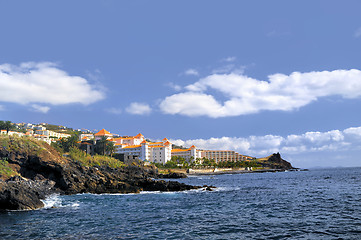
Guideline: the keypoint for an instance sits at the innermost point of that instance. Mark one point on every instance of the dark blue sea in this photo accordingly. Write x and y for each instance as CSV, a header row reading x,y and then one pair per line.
x,y
315,204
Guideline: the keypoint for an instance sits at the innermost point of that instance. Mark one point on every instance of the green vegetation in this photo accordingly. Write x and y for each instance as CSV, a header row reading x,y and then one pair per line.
x,y
177,147
22,144
103,147
239,164
6,125
60,129
65,144
93,161
181,163
5,170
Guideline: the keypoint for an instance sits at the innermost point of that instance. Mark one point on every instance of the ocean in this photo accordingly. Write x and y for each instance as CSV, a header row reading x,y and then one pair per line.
x,y
315,204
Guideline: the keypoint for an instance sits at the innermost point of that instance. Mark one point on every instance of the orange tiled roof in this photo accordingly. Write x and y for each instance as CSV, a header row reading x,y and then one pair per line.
x,y
180,150
144,141
139,135
103,132
134,146
165,139
192,147
155,143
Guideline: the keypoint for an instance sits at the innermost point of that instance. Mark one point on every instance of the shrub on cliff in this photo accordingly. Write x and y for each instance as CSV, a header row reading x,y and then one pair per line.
x,y
93,161
5,170
23,144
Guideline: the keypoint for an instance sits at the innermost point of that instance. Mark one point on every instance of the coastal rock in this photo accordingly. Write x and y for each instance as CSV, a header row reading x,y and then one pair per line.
x,y
46,172
172,175
275,161
24,194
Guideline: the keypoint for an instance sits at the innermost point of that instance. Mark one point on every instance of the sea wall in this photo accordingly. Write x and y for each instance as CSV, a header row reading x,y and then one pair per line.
x,y
215,171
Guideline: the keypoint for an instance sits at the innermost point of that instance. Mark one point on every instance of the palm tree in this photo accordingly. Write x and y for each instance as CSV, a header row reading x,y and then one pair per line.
x,y
110,147
101,145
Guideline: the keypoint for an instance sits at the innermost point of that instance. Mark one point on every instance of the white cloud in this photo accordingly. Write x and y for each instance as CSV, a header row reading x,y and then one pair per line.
x,y
40,108
191,72
116,111
246,95
229,68
138,108
294,147
229,59
44,83
174,86
357,33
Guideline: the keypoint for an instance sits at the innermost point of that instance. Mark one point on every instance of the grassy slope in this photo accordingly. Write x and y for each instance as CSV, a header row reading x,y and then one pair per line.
x,y
32,147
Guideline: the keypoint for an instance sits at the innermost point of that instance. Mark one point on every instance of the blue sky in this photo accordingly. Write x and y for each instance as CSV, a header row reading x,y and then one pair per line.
x,y
251,76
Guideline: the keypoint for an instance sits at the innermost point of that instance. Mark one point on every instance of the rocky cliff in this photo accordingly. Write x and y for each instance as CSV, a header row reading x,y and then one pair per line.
x,y
40,170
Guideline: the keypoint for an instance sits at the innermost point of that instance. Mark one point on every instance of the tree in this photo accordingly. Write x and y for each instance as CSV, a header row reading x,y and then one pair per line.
x,y
103,146
110,148
6,125
67,143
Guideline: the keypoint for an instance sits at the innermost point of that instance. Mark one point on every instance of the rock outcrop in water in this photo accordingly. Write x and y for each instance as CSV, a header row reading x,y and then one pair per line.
x,y
275,161
45,171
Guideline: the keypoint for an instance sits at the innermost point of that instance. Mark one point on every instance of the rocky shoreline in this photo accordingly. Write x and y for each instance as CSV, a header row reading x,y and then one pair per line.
x,y
46,172
41,171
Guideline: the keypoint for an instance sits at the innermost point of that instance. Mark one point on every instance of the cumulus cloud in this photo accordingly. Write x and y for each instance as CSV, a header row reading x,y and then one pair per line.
x,y
246,95
191,72
334,143
44,83
116,111
174,86
138,108
229,59
40,108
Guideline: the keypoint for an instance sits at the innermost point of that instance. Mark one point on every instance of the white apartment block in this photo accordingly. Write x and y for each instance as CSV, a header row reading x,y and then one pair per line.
x,y
224,156
86,136
156,152
11,133
193,153
40,127
189,154
128,141
52,134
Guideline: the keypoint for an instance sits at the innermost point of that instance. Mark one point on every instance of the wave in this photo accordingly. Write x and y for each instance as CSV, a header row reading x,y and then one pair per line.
x,y
55,201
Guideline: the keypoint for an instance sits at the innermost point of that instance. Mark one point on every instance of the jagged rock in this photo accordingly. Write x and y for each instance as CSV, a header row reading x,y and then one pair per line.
x,y
172,175
48,172
275,161
23,194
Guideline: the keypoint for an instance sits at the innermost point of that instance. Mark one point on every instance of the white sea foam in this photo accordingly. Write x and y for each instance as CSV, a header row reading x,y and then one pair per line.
x,y
55,201
226,189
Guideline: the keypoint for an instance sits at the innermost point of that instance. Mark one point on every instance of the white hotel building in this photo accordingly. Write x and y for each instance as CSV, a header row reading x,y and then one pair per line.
x,y
156,152
189,154
162,152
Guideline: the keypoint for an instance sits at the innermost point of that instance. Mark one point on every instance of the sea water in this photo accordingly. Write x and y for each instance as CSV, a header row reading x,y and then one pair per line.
x,y
315,204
